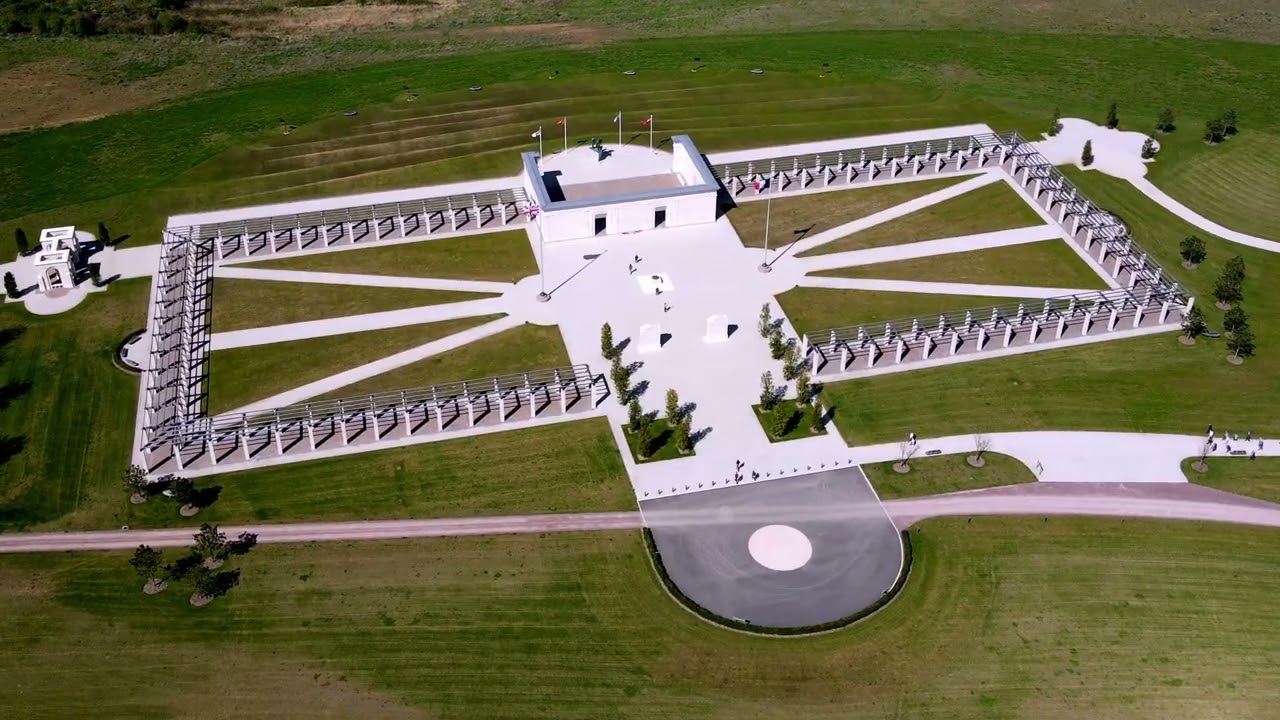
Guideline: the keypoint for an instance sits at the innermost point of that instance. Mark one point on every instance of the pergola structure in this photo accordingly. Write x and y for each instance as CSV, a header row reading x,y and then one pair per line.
x,y
179,324
991,329
207,442
253,237
863,165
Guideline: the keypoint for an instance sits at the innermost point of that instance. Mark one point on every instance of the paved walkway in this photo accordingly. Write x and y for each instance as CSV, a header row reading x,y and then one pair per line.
x,y
1165,502
1169,203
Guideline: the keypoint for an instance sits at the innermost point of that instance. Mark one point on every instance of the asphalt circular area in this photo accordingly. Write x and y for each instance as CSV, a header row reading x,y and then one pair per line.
x,y
780,547
785,553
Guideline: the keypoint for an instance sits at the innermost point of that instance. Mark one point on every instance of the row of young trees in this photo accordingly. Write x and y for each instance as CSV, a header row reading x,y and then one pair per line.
x,y
182,491
86,18
679,421
197,567
782,418
1229,293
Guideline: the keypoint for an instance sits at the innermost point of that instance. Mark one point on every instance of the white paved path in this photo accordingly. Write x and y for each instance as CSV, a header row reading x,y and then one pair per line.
x,y
1169,203
938,288
241,272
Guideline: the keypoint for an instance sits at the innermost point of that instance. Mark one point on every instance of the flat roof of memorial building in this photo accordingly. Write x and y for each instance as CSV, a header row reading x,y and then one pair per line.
x,y
583,176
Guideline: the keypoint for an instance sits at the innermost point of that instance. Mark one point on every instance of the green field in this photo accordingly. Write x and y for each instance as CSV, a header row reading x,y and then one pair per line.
x,y
239,304
1208,180
989,208
497,256
1148,384
811,309
562,467
1001,617
1258,478
797,217
944,474
1048,263
527,347
239,376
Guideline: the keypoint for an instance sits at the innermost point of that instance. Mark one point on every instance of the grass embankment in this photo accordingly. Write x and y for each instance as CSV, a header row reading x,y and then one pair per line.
x,y
946,473
239,376
565,467
1148,384
527,347
498,257
1257,478
1048,263
987,209
793,218
1002,617
811,309
239,304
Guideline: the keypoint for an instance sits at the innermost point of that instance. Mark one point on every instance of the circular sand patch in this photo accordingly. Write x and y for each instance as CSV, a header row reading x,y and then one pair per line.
x,y
780,547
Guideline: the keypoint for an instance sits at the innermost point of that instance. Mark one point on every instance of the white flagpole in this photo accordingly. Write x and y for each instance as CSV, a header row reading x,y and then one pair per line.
x,y
619,128
768,205
539,143
650,133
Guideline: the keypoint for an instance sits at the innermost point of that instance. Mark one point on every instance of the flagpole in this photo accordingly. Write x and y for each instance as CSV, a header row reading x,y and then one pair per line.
x,y
768,205
650,133
542,259
539,143
619,128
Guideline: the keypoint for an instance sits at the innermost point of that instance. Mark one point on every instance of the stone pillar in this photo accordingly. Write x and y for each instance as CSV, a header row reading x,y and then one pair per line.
x,y
377,427
1115,266
1035,331
1088,320
902,348
440,416
871,356
213,455
471,411
1111,323
929,344
244,443
1138,313
275,430
177,455
982,336
955,341
1062,326
844,358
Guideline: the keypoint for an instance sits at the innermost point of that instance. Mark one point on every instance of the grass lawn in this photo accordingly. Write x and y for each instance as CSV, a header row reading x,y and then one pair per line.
x,y
811,309
562,467
1149,384
66,419
1048,263
797,428
1209,179
1259,478
240,304
799,216
987,209
528,347
1002,617
663,446
241,375
946,473
498,256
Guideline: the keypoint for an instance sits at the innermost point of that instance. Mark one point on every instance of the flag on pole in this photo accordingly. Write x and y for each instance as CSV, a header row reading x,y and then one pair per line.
x,y
561,121
760,184
647,121
536,133
618,117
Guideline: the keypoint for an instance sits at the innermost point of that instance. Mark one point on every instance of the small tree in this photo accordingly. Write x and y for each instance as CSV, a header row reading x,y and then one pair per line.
x,y
904,457
1202,450
1241,343
790,368
815,418
981,443
621,377
684,438
1193,323
1192,251
781,423
635,415
211,545
146,562
1148,148
1229,120
644,439
1214,131
183,491
243,543
20,239
1227,291
607,348
10,286
182,567
1234,268
1055,125
766,321
104,237
673,406
208,585
1234,319
804,389
1086,155
768,393
1113,116
135,482
1164,122
777,344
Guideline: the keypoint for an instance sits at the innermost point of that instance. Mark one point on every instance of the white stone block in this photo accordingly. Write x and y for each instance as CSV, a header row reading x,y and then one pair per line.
x,y
717,329
649,339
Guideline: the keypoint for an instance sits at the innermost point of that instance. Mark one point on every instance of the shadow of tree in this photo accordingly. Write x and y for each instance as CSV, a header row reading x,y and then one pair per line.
x,y
11,445
12,391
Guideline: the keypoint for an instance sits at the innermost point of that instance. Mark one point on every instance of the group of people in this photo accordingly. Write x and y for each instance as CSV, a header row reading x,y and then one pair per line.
x,y
1228,438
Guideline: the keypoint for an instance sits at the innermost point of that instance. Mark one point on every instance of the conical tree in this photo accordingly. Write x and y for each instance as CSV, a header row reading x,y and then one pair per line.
x,y
1086,155
1164,123
11,286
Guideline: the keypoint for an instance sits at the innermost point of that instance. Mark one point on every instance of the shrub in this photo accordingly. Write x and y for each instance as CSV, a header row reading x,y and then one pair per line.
x,y
1086,155
10,286
1113,116
1192,250
635,415
673,405
1164,123
777,344
1214,131
781,421
1149,148
768,393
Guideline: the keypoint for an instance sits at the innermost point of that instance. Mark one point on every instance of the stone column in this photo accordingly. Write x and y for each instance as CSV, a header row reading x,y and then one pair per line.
x,y
1111,323
1138,313
1062,326
844,358
1088,320
1035,331
1164,311
275,430
213,455
1008,334
902,347
982,337
955,341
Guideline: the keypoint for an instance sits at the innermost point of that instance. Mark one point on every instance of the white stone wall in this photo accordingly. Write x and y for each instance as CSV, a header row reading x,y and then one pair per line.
x,y
627,217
